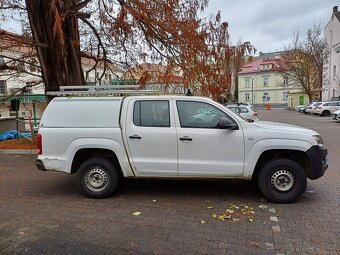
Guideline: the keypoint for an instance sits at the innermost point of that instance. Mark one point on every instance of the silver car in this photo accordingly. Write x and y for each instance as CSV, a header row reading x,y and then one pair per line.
x,y
336,115
244,111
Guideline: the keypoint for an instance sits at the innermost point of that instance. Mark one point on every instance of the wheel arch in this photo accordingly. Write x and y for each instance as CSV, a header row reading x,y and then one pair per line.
x,y
86,153
298,156
84,148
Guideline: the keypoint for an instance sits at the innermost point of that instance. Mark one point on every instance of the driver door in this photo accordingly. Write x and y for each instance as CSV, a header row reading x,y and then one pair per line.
x,y
204,149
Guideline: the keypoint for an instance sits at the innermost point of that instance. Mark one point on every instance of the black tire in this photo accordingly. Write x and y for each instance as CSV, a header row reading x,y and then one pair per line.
x,y
98,172
326,113
278,175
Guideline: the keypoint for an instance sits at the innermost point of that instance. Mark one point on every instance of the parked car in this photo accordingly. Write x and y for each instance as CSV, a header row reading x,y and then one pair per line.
x,y
205,115
297,107
311,108
303,108
245,111
156,137
238,104
327,108
336,115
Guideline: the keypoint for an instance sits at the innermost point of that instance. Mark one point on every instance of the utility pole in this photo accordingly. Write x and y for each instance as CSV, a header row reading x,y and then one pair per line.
x,y
252,91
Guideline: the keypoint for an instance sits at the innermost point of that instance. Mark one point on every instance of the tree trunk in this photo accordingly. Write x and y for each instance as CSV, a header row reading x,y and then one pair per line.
x,y
55,28
310,96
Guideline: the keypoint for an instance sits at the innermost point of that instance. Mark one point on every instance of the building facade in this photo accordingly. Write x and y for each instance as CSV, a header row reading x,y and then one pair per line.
x,y
157,77
19,68
261,81
331,82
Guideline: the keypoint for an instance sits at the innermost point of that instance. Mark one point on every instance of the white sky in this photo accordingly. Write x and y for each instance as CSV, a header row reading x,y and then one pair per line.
x,y
269,24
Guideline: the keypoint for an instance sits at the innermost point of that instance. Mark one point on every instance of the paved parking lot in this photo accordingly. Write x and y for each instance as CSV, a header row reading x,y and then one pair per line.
x,y
44,212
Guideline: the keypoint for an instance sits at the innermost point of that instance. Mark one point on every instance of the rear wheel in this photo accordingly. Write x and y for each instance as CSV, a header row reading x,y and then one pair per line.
x,y
97,178
326,113
282,180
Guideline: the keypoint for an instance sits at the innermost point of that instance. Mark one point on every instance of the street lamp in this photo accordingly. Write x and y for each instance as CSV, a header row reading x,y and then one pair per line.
x,y
252,91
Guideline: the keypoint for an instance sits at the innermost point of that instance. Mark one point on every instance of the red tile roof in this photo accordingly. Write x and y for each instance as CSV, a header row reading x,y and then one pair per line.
x,y
255,66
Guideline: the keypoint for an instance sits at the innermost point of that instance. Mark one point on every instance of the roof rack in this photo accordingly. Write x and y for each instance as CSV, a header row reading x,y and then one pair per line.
x,y
100,90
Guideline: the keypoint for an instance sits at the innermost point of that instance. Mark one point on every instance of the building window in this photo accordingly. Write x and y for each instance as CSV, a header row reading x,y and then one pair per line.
x,y
265,81
247,83
285,96
285,81
247,97
2,61
3,88
334,71
110,77
97,75
28,89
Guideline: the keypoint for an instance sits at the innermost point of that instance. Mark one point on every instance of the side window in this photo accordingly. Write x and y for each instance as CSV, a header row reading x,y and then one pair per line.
x,y
243,110
151,114
234,109
198,114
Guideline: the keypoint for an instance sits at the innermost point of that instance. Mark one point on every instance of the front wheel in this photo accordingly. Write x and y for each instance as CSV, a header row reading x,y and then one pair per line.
x,y
97,178
282,180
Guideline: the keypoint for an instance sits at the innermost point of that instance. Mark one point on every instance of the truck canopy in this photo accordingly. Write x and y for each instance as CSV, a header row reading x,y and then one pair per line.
x,y
85,112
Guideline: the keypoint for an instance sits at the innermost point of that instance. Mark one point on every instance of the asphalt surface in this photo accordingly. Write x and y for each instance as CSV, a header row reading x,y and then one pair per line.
x,y
45,213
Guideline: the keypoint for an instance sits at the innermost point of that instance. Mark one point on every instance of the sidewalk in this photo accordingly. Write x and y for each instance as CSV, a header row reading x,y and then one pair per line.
x,y
19,151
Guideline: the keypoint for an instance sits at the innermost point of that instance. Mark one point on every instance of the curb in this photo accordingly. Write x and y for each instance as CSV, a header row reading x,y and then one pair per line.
x,y
19,152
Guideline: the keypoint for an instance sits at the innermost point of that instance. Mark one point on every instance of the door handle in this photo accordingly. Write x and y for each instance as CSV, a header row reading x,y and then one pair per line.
x,y
135,137
185,138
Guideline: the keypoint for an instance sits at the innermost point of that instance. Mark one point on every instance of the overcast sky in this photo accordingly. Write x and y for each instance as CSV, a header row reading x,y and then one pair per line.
x,y
269,24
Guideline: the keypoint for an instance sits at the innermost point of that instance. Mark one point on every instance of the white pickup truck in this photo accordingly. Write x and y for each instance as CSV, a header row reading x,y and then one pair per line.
x,y
104,139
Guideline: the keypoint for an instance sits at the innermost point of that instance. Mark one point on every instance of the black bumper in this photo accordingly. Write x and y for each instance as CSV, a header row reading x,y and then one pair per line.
x,y
40,165
318,161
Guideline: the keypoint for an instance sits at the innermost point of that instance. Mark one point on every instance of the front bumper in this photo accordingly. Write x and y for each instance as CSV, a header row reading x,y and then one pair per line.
x,y
40,165
336,116
318,161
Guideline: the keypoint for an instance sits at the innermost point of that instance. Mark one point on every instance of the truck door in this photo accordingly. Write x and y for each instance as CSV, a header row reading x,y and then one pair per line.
x,y
151,137
203,149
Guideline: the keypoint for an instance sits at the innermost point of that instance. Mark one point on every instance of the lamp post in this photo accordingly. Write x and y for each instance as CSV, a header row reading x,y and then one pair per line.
x,y
252,91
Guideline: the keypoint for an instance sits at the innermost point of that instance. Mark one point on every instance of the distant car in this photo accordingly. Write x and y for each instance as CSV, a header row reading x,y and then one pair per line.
x,y
205,115
297,107
311,108
305,107
327,108
244,111
238,104
336,115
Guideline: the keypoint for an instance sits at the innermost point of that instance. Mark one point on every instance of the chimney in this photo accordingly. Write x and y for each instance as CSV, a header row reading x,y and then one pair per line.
x,y
335,9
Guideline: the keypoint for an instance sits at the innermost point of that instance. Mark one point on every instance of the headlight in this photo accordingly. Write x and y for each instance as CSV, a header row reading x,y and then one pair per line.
x,y
318,139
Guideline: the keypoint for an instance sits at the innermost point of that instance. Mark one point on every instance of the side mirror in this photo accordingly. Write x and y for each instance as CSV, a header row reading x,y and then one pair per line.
x,y
225,123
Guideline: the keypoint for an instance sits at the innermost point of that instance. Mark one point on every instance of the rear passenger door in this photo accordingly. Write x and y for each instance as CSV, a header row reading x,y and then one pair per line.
x,y
151,137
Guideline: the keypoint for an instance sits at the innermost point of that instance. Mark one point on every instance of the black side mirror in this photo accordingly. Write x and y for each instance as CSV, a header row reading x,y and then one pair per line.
x,y
225,123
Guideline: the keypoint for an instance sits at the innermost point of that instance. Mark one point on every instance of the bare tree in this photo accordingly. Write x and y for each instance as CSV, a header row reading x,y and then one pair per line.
x,y
303,64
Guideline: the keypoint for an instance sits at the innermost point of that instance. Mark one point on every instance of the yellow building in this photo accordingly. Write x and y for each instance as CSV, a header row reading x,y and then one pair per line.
x,y
261,82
